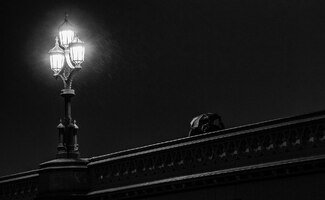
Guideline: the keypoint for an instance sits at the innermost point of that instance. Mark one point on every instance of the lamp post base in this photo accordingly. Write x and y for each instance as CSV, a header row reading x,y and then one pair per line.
x,y
63,179
70,155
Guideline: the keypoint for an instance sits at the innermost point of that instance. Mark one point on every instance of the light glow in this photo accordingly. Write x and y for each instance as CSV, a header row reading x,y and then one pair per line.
x,y
69,51
56,57
57,62
66,33
66,37
77,51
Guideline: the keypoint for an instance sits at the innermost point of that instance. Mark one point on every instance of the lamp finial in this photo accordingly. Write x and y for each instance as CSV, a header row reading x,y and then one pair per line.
x,y
56,41
66,15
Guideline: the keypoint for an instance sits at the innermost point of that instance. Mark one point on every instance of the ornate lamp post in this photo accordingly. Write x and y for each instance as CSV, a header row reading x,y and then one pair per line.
x,y
65,59
66,176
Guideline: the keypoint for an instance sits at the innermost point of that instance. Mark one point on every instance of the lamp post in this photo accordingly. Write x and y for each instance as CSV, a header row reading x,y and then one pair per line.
x,y
66,176
66,58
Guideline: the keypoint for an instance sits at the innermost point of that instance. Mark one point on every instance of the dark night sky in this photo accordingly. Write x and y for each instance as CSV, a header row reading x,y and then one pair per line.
x,y
151,66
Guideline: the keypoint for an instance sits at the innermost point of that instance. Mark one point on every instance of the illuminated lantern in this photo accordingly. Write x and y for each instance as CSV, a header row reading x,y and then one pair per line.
x,y
56,57
77,51
66,33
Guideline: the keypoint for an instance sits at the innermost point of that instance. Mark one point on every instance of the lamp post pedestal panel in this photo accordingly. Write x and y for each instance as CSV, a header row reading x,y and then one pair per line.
x,y
63,179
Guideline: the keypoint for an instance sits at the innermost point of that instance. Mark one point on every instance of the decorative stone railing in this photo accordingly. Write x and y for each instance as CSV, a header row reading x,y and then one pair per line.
x,y
19,186
282,147
273,143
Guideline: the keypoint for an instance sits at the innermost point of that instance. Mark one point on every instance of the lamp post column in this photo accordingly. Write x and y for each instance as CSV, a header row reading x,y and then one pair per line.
x,y
69,148
67,94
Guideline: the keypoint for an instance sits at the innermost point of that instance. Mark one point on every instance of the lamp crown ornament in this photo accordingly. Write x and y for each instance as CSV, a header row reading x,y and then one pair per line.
x,y
66,58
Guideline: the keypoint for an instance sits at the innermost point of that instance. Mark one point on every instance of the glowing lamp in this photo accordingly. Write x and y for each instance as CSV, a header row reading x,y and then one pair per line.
x,y
66,33
56,57
77,51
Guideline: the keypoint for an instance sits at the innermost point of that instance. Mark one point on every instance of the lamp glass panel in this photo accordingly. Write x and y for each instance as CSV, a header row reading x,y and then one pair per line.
x,y
77,53
66,37
57,62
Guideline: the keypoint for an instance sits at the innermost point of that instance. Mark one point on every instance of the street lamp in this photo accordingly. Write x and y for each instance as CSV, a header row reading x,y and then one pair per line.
x,y
66,58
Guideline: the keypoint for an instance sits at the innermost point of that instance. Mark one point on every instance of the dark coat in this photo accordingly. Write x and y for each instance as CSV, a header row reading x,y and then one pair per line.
x,y
205,123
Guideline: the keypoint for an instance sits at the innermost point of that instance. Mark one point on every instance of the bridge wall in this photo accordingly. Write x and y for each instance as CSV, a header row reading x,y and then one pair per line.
x,y
273,159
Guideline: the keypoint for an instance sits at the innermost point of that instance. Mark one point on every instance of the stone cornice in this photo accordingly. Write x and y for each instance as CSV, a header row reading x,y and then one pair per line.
x,y
220,177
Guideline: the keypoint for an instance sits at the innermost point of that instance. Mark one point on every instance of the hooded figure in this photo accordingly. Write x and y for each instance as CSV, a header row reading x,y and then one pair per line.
x,y
205,123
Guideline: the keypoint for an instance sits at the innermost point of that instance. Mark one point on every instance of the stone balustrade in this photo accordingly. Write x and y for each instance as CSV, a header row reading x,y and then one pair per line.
x,y
19,186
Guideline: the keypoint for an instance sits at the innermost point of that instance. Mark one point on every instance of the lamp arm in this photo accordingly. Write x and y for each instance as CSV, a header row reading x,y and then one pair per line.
x,y
62,78
72,74
67,58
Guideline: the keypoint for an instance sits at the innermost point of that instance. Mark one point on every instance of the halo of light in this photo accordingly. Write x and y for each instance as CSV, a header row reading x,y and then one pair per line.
x,y
77,51
56,57
66,33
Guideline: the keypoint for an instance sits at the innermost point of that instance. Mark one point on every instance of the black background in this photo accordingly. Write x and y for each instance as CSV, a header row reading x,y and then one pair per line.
x,y
151,66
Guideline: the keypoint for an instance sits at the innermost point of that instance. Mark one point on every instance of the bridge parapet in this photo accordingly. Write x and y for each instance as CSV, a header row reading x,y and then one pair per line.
x,y
278,148
219,158
19,186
